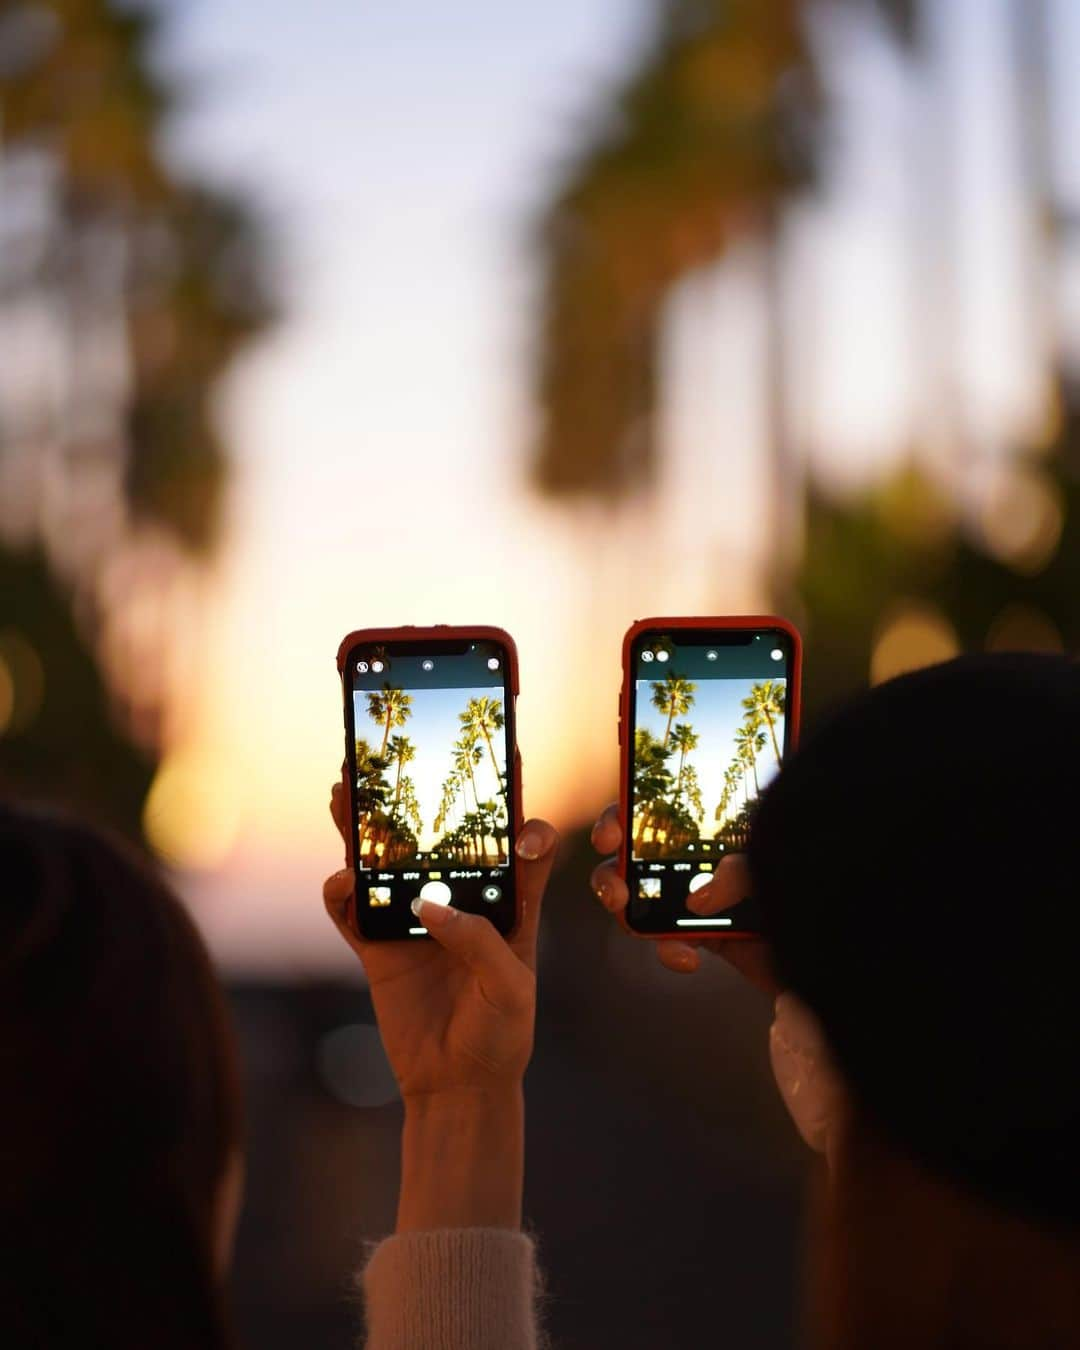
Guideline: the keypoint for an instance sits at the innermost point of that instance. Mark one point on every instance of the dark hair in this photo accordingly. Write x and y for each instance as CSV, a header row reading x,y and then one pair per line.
x,y
121,1104
917,863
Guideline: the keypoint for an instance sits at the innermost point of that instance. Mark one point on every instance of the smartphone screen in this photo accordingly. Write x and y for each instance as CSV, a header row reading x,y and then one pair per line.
x,y
429,737
708,729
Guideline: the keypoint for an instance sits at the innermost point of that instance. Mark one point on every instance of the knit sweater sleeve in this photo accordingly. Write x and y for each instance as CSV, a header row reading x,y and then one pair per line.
x,y
452,1289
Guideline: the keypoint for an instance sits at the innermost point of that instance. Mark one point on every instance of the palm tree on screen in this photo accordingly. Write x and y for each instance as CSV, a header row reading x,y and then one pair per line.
x,y
457,794
410,805
492,826
652,778
749,741
731,787
673,697
472,826
400,751
483,717
767,702
451,790
691,790
684,739
391,708
467,754
372,788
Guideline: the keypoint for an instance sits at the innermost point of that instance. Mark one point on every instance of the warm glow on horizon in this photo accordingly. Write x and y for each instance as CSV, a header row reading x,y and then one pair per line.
x,y
192,810
379,437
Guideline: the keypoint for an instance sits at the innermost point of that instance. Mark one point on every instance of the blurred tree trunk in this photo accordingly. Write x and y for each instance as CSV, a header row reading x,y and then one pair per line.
x,y
1032,36
784,486
125,294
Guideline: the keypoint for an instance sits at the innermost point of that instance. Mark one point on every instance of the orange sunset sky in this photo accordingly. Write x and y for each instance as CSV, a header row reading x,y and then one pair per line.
x,y
380,434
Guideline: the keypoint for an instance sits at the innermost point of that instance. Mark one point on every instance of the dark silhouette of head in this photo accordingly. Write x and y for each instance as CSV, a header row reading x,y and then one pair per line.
x,y
918,867
121,1107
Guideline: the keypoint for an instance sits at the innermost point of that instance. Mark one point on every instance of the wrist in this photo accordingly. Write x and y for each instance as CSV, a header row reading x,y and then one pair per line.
x,y
464,1098
462,1158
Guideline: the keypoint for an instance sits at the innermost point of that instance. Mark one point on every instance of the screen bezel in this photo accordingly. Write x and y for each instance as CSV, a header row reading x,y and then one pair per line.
x,y
390,924
694,632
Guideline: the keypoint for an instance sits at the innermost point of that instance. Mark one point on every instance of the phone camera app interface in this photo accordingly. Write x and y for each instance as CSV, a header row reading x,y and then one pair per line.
x,y
709,731
431,788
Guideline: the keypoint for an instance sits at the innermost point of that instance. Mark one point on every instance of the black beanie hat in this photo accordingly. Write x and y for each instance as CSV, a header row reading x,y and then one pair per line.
x,y
917,863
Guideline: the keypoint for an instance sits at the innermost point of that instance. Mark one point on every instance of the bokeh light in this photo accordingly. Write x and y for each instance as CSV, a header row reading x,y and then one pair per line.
x,y
22,682
7,695
1021,628
191,814
354,1068
911,636
1022,519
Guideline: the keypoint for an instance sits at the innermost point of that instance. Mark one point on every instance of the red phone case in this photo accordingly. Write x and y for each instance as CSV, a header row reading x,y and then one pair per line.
x,y
794,704
438,633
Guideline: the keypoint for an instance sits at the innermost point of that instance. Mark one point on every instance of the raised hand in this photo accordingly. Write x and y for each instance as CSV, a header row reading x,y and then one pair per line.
x,y
730,884
455,1014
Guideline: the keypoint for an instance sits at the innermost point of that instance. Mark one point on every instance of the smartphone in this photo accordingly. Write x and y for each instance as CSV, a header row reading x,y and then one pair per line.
x,y
708,710
432,774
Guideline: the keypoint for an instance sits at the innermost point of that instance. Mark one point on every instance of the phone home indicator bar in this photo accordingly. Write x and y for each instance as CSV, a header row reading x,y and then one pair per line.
x,y
418,932
704,923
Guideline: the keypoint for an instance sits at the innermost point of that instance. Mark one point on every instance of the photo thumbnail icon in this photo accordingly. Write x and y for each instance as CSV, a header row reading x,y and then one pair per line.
x,y
379,896
649,888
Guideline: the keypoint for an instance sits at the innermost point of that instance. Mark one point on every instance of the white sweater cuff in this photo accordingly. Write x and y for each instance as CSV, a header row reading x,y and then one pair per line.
x,y
452,1289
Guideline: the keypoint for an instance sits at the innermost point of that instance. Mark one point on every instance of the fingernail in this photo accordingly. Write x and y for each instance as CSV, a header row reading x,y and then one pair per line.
x,y
430,914
697,901
528,847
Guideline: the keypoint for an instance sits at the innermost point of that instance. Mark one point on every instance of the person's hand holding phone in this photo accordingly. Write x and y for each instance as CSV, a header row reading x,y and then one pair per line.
x,y
731,884
456,1018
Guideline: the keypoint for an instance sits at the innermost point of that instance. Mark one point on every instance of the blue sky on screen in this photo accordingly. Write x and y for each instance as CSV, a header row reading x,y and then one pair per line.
x,y
716,715
434,725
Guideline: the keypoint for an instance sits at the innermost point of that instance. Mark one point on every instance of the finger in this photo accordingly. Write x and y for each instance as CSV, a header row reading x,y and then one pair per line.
x,y
609,887
607,832
337,891
730,884
678,956
338,899
506,983
339,806
536,849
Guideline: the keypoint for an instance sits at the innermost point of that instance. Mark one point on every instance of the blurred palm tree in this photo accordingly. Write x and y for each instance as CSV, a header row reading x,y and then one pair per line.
x,y
147,286
705,144
904,565
723,127
695,151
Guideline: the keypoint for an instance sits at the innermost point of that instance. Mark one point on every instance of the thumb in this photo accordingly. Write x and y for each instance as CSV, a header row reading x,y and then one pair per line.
x,y
505,982
536,850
